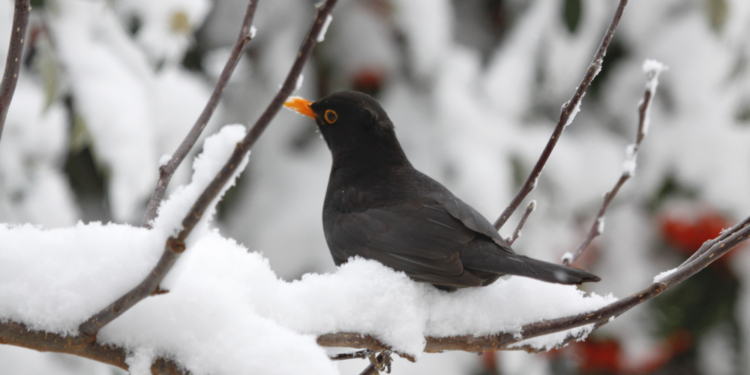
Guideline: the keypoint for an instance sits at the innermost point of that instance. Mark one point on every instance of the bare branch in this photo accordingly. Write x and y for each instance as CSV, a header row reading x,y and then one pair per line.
x,y
504,341
19,334
14,59
517,233
568,109
166,171
176,245
710,243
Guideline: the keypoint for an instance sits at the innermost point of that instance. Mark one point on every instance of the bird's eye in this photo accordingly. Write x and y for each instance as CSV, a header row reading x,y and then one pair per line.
x,y
331,116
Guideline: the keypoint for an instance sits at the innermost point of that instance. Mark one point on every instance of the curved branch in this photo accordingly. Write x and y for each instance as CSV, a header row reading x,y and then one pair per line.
x,y
19,334
14,59
504,341
176,245
567,113
166,171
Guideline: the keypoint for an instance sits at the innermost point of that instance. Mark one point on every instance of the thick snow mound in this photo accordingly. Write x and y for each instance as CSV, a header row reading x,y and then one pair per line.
x,y
226,296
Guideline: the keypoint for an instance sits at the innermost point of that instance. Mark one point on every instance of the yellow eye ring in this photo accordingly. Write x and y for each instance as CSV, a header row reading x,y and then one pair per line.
x,y
331,116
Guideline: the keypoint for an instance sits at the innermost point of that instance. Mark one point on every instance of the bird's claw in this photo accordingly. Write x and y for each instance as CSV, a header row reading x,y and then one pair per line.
x,y
381,362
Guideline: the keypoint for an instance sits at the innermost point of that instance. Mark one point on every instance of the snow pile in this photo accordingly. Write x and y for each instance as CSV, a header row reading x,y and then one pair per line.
x,y
227,301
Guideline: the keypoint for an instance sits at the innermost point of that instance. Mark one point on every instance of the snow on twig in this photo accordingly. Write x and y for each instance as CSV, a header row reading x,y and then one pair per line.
x,y
652,68
322,35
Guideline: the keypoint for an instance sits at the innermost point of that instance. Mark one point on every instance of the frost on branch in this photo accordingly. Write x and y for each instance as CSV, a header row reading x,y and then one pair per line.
x,y
652,68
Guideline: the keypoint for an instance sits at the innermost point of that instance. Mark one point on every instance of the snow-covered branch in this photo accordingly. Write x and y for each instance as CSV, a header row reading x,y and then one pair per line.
x,y
19,334
221,304
14,59
167,170
567,114
652,69
176,244
593,319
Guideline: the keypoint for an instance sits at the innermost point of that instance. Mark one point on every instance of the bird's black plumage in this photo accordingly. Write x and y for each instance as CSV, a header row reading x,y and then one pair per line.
x,y
379,207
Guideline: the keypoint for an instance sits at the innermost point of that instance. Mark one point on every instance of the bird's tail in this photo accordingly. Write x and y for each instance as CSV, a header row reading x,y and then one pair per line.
x,y
514,264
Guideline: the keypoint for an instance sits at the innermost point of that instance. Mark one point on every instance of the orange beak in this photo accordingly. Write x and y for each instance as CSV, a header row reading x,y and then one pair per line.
x,y
301,106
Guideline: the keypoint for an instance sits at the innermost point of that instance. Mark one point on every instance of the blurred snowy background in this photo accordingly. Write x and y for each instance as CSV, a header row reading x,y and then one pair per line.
x,y
474,88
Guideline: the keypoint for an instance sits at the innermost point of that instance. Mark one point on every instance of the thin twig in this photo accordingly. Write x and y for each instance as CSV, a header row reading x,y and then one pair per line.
x,y
166,171
176,245
352,355
628,170
14,59
504,341
19,334
517,233
568,109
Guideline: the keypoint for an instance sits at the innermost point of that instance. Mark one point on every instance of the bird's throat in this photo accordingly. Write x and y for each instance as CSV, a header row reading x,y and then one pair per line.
x,y
365,163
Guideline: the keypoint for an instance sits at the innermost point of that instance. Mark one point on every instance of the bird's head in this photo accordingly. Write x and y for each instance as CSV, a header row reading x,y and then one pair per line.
x,y
350,122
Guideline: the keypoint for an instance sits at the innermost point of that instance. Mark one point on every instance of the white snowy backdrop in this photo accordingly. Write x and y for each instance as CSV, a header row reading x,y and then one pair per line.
x,y
474,88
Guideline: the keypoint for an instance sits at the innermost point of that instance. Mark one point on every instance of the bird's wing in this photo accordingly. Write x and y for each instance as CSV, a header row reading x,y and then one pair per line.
x,y
470,217
420,238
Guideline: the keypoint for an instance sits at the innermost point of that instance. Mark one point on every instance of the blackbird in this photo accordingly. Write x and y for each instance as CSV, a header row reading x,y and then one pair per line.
x,y
379,207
